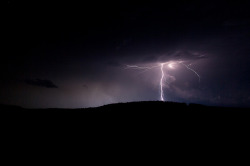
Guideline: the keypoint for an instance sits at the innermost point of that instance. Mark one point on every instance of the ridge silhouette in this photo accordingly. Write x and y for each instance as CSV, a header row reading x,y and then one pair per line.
x,y
179,119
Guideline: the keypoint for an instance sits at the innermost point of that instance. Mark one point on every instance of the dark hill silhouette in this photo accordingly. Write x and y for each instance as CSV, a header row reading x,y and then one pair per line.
x,y
149,111
143,107
176,122
4,107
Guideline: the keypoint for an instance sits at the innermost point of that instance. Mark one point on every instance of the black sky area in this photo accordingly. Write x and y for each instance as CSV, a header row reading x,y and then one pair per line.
x,y
70,54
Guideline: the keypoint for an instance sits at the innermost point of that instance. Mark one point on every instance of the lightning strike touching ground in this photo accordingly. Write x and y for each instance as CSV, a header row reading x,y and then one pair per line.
x,y
162,76
171,65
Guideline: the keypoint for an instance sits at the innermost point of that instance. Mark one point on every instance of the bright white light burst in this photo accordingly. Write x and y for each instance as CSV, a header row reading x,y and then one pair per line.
x,y
171,65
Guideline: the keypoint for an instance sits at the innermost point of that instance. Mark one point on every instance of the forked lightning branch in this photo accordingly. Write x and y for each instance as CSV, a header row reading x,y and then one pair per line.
x,y
170,65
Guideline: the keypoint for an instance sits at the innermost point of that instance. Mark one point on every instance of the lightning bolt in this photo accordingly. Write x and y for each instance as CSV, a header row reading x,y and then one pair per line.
x,y
143,68
149,68
162,76
170,64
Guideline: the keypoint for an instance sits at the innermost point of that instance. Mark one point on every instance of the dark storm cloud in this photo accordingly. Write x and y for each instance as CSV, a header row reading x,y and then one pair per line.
x,y
113,63
241,22
175,55
187,55
85,86
90,59
41,83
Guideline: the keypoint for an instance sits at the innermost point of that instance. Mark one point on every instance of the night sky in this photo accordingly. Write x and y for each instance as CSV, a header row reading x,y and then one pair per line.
x,y
71,55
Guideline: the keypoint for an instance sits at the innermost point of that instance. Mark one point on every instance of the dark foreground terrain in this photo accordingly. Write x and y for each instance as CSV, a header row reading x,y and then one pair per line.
x,y
154,112
173,127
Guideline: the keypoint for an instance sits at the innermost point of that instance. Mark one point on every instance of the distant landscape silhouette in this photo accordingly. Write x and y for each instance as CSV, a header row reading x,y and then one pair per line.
x,y
177,121
151,110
